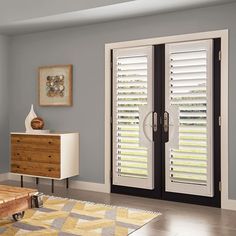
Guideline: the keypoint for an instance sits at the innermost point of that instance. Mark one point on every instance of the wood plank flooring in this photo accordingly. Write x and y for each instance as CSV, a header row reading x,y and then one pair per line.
x,y
178,219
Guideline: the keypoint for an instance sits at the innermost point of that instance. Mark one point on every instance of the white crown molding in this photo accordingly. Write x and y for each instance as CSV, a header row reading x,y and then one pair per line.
x,y
100,12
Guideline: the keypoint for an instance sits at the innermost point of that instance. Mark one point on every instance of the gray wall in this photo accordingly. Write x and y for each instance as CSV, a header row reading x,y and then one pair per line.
x,y
4,117
84,48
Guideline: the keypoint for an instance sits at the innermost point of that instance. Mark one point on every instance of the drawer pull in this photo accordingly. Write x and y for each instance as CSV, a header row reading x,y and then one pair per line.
x,y
49,156
18,166
49,170
17,140
18,154
49,142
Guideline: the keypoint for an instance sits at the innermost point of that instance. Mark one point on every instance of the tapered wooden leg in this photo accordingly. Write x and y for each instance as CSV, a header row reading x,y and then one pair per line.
x,y
67,183
52,185
21,181
37,180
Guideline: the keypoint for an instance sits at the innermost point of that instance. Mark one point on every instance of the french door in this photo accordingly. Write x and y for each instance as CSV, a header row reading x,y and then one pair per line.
x,y
165,121
132,117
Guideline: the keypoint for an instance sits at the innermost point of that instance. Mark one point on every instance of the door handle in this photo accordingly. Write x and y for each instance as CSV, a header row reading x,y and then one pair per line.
x,y
166,122
154,121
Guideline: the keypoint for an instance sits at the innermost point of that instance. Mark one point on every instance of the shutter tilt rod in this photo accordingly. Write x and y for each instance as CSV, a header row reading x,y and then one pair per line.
x,y
166,122
154,121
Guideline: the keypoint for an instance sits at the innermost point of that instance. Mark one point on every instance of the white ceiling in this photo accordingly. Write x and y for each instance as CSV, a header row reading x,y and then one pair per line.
x,y
15,10
24,16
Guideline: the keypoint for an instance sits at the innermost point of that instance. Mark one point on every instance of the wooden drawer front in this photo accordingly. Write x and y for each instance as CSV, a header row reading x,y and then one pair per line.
x,y
36,156
35,142
36,169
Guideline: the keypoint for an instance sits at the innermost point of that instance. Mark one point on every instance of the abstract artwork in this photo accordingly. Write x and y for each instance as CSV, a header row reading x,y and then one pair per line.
x,y
55,85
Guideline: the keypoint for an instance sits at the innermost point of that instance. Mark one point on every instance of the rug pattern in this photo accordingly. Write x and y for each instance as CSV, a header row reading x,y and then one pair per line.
x,y
68,217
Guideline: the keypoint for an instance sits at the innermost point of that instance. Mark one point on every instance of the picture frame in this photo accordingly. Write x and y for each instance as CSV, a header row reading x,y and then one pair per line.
x,y
55,85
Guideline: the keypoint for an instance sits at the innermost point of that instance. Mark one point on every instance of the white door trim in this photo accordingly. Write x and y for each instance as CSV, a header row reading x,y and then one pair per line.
x,y
226,203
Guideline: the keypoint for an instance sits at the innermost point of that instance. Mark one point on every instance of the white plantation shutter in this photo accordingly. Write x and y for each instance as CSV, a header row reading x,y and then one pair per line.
x,y
188,89
132,117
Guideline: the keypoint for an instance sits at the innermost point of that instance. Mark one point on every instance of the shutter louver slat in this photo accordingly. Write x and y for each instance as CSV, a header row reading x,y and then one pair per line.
x,y
187,81
189,62
187,69
190,180
188,76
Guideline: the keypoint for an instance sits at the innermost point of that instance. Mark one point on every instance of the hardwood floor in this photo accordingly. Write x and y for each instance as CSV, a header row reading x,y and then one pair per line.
x,y
178,219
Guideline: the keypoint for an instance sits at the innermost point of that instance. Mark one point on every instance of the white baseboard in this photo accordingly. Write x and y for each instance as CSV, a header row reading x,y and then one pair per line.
x,y
89,186
75,184
229,204
4,176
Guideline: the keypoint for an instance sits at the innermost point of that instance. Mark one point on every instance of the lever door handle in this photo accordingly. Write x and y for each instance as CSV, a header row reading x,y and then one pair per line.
x,y
166,122
154,121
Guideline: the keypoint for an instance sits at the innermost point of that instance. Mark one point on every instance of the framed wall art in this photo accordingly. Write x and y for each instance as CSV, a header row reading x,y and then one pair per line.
x,y
55,85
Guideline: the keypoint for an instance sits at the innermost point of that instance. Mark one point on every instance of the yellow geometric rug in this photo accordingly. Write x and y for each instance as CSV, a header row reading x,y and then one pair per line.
x,y
68,217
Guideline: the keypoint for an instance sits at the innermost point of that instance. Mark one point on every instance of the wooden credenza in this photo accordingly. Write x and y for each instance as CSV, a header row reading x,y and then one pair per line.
x,y
54,156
